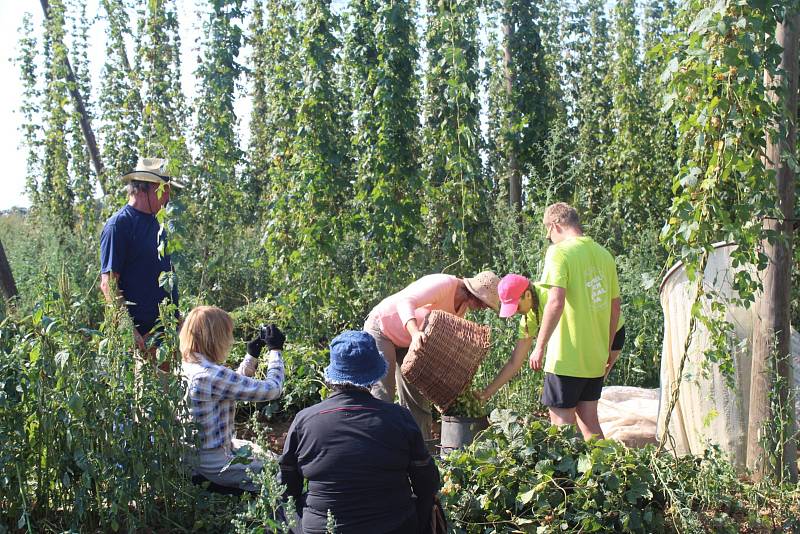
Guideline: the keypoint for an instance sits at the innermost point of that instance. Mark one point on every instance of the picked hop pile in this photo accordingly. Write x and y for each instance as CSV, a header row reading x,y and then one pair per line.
x,y
467,404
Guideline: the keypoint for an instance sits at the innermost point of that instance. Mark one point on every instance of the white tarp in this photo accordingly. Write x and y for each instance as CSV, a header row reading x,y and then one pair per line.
x,y
707,411
628,414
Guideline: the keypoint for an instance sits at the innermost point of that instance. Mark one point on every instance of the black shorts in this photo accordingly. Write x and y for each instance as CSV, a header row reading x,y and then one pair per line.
x,y
619,339
567,391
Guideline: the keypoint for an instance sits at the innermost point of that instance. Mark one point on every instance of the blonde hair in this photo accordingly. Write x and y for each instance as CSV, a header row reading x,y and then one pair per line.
x,y
563,214
207,330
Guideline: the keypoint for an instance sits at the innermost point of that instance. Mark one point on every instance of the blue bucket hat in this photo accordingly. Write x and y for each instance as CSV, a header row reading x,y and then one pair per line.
x,y
356,360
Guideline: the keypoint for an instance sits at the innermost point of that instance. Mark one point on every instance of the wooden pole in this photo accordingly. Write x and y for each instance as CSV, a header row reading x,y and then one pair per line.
x,y
771,331
86,127
7,284
514,176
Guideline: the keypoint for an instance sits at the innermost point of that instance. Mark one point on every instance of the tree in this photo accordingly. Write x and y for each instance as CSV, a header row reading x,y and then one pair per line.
x,y
165,114
120,102
216,203
56,192
625,153
31,108
719,101
456,199
275,78
309,192
527,84
589,102
7,284
80,168
772,366
380,60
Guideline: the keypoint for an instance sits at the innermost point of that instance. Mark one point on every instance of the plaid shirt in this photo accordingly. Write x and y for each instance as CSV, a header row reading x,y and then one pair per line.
x,y
212,391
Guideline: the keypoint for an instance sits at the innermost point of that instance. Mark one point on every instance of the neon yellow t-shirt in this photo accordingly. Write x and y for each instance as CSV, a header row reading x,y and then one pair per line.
x,y
579,344
529,323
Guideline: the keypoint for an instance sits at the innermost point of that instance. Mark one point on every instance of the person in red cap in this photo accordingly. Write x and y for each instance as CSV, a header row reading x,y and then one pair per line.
x,y
518,295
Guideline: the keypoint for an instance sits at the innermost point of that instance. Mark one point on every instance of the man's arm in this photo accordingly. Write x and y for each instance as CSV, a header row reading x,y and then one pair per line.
x,y
108,285
556,297
616,307
511,368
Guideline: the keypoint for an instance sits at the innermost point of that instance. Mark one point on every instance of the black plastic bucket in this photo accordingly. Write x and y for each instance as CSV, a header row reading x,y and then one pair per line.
x,y
458,431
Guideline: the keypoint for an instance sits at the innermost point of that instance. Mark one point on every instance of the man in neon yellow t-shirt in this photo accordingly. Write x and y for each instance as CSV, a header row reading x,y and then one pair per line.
x,y
578,323
518,295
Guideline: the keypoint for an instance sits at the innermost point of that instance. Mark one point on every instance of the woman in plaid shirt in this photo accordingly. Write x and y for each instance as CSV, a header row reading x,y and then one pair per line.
x,y
213,389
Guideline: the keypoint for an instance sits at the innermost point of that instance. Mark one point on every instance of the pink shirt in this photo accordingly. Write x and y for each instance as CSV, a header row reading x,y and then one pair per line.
x,y
431,292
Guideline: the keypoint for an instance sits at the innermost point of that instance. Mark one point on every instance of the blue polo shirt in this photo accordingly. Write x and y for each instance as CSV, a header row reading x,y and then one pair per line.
x,y
129,247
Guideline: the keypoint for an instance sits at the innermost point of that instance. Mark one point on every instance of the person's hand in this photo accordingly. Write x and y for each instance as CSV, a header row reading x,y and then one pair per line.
x,y
537,358
418,338
273,337
254,346
139,339
482,395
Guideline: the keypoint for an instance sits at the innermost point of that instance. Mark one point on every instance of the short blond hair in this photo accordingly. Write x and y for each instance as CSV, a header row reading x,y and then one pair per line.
x,y
207,330
563,214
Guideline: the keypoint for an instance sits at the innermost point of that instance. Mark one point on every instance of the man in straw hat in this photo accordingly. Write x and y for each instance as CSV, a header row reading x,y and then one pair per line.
x,y
357,456
579,321
396,324
129,247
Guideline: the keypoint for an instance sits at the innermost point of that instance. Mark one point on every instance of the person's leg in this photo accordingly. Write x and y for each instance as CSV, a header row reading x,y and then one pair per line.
x,y
560,395
411,398
215,466
258,450
385,389
586,408
589,424
562,416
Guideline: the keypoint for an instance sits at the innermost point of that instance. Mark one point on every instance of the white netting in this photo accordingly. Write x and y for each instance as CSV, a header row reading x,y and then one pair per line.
x,y
707,411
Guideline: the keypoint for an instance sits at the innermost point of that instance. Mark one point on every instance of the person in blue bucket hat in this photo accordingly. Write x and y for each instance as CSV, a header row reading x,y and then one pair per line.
x,y
364,459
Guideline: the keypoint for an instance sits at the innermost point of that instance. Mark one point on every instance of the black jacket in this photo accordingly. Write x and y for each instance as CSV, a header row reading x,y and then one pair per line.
x,y
363,458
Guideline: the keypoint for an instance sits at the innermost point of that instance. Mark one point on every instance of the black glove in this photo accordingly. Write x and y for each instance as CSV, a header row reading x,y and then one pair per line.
x,y
254,347
273,337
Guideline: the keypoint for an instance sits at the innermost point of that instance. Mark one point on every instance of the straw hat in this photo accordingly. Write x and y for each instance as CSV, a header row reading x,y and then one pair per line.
x,y
484,286
152,170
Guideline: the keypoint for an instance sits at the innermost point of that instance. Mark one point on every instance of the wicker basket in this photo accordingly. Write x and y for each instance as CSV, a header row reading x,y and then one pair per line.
x,y
448,359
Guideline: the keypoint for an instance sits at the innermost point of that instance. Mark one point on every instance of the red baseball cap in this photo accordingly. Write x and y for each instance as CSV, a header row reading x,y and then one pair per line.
x,y
510,289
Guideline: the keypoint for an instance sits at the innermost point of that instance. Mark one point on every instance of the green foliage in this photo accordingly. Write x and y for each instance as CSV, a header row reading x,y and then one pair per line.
x,y
304,383
268,510
380,61
467,404
589,98
164,111
722,191
524,475
455,210
90,439
56,189
30,106
120,100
